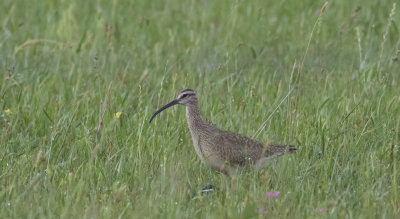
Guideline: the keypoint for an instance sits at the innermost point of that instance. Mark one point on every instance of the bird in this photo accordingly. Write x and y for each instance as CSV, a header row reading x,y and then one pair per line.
x,y
224,151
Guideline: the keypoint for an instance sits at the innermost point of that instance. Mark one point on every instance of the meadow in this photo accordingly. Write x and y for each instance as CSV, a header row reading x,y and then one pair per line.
x,y
79,81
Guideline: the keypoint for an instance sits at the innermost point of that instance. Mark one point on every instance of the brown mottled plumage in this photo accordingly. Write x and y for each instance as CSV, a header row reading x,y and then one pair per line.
x,y
223,151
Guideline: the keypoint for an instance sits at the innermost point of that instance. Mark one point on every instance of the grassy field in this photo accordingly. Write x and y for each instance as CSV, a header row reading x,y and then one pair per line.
x,y
68,67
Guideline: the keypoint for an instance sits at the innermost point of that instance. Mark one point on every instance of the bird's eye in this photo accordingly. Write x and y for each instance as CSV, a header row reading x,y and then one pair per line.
x,y
183,96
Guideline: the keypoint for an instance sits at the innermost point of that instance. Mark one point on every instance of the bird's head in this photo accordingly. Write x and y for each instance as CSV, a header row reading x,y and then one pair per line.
x,y
186,97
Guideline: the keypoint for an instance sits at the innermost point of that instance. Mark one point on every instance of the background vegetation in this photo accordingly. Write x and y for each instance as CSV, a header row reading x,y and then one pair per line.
x,y
67,67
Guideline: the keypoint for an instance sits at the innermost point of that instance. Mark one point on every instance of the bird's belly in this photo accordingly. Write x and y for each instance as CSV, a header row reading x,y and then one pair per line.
x,y
219,164
215,162
210,157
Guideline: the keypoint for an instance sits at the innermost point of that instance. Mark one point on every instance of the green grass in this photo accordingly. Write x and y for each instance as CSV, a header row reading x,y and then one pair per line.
x,y
64,64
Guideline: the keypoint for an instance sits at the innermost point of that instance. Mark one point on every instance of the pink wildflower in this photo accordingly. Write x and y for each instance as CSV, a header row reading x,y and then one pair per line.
x,y
273,194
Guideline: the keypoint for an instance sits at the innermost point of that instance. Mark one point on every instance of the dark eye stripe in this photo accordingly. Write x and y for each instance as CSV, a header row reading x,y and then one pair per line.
x,y
186,95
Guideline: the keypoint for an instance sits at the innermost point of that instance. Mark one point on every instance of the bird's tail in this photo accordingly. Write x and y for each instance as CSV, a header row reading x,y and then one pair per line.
x,y
291,149
279,149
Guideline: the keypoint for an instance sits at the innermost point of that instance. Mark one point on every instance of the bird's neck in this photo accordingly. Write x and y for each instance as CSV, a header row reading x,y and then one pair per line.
x,y
193,117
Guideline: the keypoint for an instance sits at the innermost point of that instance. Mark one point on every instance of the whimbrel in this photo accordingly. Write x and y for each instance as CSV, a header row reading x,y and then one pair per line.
x,y
223,151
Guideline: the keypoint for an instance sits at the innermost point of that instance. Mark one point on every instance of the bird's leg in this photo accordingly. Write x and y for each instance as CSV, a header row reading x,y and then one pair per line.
x,y
208,188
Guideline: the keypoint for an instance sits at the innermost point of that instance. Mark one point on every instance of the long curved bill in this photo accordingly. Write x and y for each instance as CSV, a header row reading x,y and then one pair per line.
x,y
174,102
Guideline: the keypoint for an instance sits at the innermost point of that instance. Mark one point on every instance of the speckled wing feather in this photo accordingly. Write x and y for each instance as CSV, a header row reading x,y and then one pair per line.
x,y
236,148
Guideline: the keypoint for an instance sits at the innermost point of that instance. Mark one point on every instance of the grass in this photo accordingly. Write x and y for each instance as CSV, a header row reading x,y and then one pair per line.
x,y
68,66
